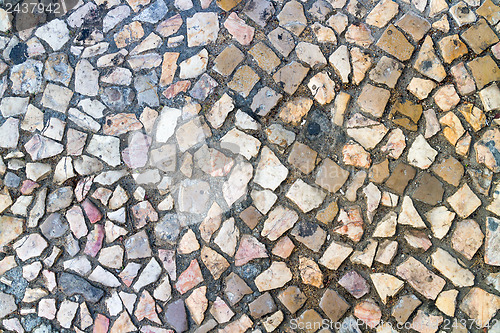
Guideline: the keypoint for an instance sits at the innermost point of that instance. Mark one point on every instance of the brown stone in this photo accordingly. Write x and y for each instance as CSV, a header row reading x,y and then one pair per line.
x,y
404,307
292,298
379,172
450,170
414,25
333,305
373,100
327,214
243,80
400,177
227,60
429,189
451,48
395,43
251,217
302,157
480,36
262,305
485,70
265,57
331,176
235,288
289,77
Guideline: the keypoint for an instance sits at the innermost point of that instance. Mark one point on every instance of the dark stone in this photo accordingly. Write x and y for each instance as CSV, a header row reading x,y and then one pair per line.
x,y
71,284
19,53
313,128
429,189
175,315
262,305
117,98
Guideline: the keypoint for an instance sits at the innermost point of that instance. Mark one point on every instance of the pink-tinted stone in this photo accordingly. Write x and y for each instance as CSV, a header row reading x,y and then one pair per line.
x,y
28,187
250,248
369,312
167,258
136,154
144,213
83,187
121,123
352,223
353,154
94,240
189,278
240,31
146,308
129,273
283,247
91,211
101,324
355,284
176,88
170,26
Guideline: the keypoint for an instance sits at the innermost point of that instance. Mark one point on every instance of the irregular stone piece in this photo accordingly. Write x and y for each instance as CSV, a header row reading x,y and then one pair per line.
x,y
240,31
292,17
290,76
335,255
305,196
333,305
451,269
486,149
464,202
420,278
395,43
427,63
202,29
480,306
421,154
71,284
492,241
276,276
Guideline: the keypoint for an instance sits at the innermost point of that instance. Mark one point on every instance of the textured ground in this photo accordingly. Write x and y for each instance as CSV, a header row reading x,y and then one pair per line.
x,y
250,165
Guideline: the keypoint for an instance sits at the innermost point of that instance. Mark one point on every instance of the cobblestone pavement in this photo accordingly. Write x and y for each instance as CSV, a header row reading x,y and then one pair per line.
x,y
250,166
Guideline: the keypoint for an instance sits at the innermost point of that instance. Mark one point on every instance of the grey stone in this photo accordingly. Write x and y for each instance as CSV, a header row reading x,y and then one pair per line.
x,y
71,284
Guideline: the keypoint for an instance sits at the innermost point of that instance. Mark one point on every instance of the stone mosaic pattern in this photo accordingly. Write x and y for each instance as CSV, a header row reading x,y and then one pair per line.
x,y
251,166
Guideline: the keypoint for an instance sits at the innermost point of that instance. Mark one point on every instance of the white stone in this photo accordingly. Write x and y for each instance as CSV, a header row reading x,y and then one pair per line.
x,y
13,106
305,196
55,33
236,185
270,172
104,277
421,154
194,66
440,219
238,142
150,274
263,200
276,276
340,63
166,123
107,148
409,215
